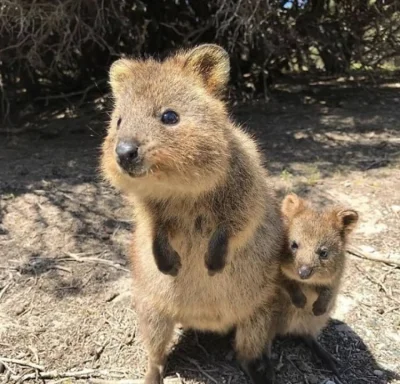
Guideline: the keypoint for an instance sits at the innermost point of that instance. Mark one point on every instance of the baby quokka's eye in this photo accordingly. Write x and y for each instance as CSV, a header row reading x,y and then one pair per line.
x,y
294,246
169,117
323,253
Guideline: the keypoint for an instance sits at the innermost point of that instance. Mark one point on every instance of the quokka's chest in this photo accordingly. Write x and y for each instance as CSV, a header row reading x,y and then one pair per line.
x,y
301,321
190,235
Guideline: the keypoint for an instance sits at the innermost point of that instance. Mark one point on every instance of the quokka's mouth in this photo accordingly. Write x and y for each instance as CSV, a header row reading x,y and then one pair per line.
x,y
134,171
138,173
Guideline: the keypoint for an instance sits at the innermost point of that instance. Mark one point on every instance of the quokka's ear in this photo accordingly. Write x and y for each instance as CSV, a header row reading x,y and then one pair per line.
x,y
211,63
120,71
291,205
347,220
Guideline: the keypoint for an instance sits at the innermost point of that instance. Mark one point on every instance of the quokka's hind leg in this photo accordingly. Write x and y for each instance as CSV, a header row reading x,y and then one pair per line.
x,y
252,344
156,331
327,359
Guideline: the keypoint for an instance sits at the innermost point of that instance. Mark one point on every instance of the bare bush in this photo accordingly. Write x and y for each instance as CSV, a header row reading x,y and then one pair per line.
x,y
52,47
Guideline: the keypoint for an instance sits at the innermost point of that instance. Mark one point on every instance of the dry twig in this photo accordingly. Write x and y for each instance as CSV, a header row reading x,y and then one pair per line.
x,y
84,374
364,255
201,370
374,280
22,362
3,291
79,259
83,92
168,380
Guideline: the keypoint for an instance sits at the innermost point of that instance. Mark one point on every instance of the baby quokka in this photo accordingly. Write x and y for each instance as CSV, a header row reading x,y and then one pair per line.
x,y
312,268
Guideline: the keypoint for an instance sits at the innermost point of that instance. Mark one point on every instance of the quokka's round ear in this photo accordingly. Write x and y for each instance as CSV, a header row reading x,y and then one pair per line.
x,y
348,219
291,205
211,63
119,72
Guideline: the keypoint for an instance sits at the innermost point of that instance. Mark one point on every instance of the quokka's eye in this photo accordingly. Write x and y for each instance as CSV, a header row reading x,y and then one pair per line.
x,y
119,122
323,253
170,117
294,246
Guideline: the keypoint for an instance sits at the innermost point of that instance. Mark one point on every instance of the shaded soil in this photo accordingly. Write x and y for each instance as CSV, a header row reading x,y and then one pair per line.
x,y
65,298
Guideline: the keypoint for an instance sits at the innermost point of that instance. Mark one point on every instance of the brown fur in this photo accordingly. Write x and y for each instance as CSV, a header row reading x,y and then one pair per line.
x,y
311,229
195,175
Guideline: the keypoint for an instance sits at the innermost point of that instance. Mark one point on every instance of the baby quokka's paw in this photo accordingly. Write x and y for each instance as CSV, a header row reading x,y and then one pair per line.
x,y
318,309
299,300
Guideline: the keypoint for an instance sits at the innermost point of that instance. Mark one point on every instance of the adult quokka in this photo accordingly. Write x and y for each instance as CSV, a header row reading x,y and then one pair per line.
x,y
190,172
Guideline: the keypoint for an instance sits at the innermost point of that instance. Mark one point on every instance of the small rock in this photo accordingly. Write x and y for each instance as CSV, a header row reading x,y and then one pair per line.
x,y
312,379
21,170
367,248
303,366
300,135
329,382
57,171
377,372
3,231
396,208
19,309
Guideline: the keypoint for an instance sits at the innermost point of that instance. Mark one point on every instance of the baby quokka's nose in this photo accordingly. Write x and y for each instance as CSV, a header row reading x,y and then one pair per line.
x,y
305,272
127,153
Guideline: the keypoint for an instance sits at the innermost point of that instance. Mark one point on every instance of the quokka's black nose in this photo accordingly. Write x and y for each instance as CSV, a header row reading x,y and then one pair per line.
x,y
305,272
127,153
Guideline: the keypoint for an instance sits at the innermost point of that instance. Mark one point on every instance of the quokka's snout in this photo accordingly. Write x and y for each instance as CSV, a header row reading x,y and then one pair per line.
x,y
305,272
127,155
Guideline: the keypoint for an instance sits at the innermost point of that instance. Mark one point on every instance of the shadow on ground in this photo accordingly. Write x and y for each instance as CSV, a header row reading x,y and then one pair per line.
x,y
211,357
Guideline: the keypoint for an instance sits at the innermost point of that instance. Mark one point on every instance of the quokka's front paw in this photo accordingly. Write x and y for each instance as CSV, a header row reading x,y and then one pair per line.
x,y
214,269
171,269
217,253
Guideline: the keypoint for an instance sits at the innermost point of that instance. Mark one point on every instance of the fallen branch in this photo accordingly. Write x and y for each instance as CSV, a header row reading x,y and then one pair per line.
x,y
364,255
3,291
71,94
84,374
168,380
75,257
374,280
201,370
22,362
8,368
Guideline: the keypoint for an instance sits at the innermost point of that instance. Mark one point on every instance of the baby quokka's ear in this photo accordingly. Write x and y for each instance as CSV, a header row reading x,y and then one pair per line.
x,y
292,205
347,220
120,71
211,63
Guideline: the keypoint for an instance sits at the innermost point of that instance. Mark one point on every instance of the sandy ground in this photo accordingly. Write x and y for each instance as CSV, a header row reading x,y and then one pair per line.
x,y
65,301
